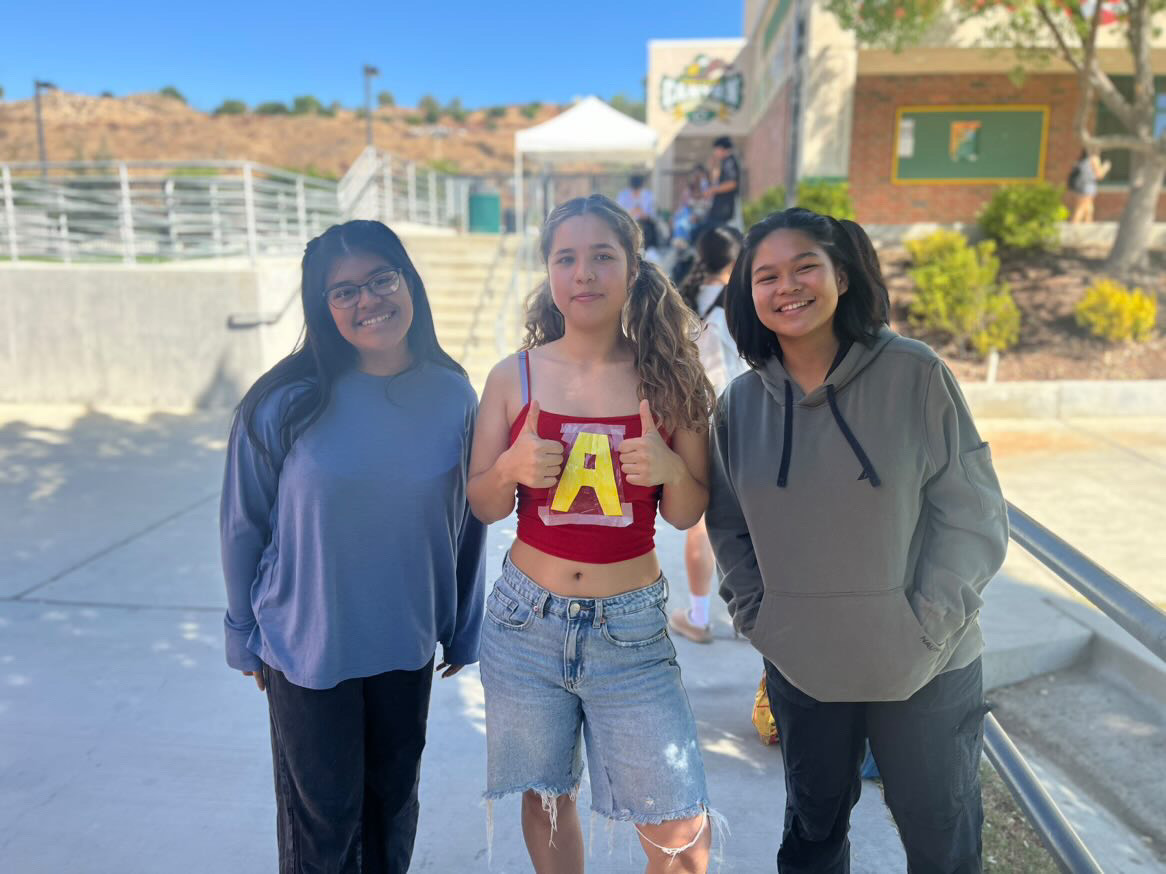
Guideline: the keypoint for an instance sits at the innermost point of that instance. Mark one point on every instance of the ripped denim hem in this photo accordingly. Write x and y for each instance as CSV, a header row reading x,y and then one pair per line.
x,y
547,795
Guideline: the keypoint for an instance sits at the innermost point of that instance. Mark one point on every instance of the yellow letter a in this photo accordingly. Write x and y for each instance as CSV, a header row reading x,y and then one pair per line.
x,y
601,478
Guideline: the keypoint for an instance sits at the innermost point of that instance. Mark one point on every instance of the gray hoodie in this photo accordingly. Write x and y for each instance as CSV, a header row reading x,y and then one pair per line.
x,y
855,527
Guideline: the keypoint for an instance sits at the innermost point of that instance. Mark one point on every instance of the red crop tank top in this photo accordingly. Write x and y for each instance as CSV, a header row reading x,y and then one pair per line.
x,y
592,513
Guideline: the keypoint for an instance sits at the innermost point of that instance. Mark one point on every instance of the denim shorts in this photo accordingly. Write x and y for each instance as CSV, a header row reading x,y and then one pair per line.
x,y
602,670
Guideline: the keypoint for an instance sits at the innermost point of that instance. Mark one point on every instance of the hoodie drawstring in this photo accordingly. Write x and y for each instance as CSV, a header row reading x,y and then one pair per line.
x,y
787,442
868,471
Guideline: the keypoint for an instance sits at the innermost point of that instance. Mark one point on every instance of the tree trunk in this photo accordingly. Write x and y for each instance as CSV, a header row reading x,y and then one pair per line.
x,y
1131,246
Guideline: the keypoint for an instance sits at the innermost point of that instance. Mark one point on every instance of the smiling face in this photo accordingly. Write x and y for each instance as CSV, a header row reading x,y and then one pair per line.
x,y
376,326
588,272
795,286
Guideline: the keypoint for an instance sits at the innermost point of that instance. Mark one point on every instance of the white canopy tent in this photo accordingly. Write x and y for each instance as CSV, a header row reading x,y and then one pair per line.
x,y
590,130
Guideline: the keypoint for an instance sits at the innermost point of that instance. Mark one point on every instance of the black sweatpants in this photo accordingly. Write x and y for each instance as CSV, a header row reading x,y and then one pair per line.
x,y
928,752
347,764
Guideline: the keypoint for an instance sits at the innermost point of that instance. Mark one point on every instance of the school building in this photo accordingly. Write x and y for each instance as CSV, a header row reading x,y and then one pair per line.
x,y
923,135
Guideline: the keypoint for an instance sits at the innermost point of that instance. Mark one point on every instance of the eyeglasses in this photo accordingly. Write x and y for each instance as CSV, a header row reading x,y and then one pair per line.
x,y
345,297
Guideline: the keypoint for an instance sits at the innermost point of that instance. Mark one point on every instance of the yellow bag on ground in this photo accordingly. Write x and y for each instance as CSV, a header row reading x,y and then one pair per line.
x,y
763,716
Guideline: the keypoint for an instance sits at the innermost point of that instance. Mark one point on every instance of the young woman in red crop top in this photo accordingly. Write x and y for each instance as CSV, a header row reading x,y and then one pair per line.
x,y
600,419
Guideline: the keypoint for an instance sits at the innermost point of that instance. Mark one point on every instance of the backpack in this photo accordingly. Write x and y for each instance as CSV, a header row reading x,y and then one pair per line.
x,y
1075,176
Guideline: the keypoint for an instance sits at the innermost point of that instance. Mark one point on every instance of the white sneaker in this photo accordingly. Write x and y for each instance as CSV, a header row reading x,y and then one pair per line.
x,y
680,622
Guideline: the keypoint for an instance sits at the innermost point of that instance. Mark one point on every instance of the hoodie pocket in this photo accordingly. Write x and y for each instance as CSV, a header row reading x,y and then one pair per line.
x,y
977,465
848,647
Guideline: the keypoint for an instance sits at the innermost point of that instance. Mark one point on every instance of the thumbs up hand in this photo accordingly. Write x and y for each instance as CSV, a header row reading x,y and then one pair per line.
x,y
646,460
533,461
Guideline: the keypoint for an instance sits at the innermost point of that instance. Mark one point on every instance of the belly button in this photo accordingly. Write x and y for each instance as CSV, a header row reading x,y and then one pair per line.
x,y
578,575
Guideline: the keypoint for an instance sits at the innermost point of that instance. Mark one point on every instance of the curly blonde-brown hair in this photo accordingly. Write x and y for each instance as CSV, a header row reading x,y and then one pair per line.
x,y
659,325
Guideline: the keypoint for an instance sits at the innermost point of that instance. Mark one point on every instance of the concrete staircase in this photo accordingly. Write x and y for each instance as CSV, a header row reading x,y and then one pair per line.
x,y
468,279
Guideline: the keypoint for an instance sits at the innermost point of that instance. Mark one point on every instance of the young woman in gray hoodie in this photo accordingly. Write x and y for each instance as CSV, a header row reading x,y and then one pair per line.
x,y
856,518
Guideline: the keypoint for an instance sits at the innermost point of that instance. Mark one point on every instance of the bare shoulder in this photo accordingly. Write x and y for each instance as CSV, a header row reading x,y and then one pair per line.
x,y
503,389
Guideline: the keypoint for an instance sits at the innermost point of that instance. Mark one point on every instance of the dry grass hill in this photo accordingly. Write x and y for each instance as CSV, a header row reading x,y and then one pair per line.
x,y
155,127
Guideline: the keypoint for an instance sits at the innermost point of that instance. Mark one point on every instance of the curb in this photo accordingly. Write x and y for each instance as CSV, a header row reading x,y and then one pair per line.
x,y
1066,399
1118,657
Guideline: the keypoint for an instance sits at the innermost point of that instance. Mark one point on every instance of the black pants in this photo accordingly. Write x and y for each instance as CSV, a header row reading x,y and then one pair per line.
x,y
928,751
347,767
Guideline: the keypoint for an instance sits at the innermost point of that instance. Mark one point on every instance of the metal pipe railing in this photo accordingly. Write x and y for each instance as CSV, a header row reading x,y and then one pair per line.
x,y
1124,606
1062,842
1145,622
169,210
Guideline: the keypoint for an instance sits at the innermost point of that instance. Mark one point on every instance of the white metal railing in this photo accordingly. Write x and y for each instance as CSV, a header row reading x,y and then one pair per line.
x,y
166,210
380,186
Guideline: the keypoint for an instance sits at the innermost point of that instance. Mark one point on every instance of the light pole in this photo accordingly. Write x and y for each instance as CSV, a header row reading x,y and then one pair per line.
x,y
369,72
37,85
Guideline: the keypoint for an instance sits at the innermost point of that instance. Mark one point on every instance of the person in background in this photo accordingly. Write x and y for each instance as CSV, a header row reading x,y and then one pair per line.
x,y
704,291
637,200
689,216
724,190
349,551
856,518
1088,170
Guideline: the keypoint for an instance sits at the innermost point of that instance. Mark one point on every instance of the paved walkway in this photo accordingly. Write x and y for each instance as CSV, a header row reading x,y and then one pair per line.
x,y
126,745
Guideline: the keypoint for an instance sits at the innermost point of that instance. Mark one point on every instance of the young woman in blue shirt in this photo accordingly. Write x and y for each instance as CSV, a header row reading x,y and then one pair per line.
x,y
349,552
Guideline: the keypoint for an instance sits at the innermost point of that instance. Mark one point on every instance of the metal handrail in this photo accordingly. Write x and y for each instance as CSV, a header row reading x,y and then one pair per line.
x,y
1059,837
161,210
1124,606
1118,601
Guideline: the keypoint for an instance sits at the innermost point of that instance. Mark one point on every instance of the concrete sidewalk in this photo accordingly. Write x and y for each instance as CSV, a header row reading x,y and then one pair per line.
x,y
127,745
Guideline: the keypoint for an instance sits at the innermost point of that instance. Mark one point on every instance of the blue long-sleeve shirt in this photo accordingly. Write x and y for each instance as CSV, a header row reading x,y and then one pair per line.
x,y
356,553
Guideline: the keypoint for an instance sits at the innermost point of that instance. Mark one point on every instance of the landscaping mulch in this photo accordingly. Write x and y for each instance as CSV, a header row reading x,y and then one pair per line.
x,y
1046,287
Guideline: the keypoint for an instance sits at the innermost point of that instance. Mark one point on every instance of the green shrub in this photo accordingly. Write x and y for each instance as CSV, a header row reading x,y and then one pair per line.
x,y
413,120
531,109
826,197
231,107
496,112
1025,216
430,108
1116,313
385,98
306,105
444,165
935,246
455,110
771,200
173,93
958,295
271,107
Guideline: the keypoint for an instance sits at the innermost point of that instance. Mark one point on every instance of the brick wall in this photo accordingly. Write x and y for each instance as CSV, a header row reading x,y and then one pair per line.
x,y
876,98
766,152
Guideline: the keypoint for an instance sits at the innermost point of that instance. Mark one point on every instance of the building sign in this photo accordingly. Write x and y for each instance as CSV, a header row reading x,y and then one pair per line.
x,y
964,141
707,90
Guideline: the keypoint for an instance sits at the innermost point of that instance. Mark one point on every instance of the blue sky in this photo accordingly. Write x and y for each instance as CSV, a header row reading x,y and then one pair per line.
x,y
483,52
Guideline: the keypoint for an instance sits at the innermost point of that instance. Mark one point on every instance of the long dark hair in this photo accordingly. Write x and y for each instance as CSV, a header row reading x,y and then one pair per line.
x,y
862,310
321,355
717,248
656,322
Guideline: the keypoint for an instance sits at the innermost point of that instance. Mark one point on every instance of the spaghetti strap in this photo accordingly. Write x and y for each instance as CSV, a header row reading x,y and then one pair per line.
x,y
524,375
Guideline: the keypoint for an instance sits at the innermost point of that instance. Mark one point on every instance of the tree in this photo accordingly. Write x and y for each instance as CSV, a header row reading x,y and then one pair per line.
x,y
306,105
173,93
531,109
385,98
455,110
430,108
1,92
231,107
1042,29
629,107
271,107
